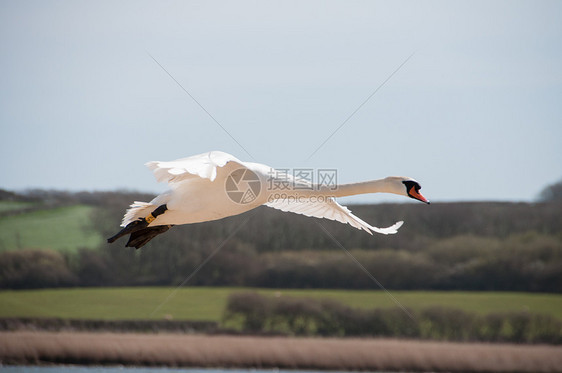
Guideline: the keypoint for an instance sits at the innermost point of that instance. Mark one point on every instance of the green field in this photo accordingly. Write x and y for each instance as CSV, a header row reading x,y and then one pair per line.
x,y
204,303
8,206
62,228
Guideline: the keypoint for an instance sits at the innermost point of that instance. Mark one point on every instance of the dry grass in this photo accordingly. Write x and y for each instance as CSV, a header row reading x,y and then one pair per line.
x,y
269,352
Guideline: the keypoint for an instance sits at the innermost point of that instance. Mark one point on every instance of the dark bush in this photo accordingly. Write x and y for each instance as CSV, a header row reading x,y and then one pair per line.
x,y
94,269
447,323
28,269
254,309
552,193
252,312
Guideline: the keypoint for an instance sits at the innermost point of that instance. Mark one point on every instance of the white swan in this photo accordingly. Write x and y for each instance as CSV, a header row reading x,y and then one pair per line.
x,y
215,185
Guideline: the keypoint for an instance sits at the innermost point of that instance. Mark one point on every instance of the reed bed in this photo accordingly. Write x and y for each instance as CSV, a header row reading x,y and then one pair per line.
x,y
274,352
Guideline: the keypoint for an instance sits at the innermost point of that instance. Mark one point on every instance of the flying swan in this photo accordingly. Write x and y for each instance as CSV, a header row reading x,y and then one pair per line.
x,y
216,185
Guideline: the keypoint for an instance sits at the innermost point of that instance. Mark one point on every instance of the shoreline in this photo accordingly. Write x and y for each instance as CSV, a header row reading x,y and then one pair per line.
x,y
225,351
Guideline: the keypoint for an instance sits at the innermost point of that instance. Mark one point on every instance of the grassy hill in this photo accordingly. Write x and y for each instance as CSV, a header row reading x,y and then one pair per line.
x,y
208,303
62,228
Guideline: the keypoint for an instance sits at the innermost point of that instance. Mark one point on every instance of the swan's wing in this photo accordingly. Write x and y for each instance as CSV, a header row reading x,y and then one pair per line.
x,y
199,166
330,209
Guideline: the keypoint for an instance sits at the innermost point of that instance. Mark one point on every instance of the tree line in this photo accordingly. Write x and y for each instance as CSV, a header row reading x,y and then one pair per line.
x,y
461,246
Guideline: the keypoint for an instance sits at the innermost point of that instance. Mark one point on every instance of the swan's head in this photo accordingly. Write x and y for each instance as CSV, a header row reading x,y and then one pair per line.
x,y
406,186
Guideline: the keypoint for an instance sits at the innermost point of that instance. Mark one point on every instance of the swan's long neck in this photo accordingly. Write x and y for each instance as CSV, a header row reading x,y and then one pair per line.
x,y
343,190
374,186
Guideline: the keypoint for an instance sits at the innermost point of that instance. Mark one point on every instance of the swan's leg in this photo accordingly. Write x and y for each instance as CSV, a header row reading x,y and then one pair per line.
x,y
139,224
139,238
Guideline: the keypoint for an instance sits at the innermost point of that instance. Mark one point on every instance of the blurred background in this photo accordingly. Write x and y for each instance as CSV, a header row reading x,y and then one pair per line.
x,y
463,96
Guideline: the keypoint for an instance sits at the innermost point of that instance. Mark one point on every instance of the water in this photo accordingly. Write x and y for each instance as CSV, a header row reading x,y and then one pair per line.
x,y
94,369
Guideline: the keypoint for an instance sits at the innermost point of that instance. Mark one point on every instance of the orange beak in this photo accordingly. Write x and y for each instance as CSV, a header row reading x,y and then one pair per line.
x,y
417,195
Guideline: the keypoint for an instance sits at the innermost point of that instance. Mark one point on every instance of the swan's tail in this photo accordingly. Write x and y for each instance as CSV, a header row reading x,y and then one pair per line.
x,y
138,210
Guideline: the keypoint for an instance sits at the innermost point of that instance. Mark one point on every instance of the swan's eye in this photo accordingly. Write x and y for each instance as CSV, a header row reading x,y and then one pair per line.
x,y
409,184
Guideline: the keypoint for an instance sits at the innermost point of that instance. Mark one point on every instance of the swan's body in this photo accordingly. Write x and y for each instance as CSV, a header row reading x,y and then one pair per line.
x,y
216,185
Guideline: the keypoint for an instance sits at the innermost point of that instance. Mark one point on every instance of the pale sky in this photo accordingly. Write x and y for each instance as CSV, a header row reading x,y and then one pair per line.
x,y
474,114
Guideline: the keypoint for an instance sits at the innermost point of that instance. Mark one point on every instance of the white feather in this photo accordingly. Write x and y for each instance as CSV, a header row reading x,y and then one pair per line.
x,y
136,211
330,210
